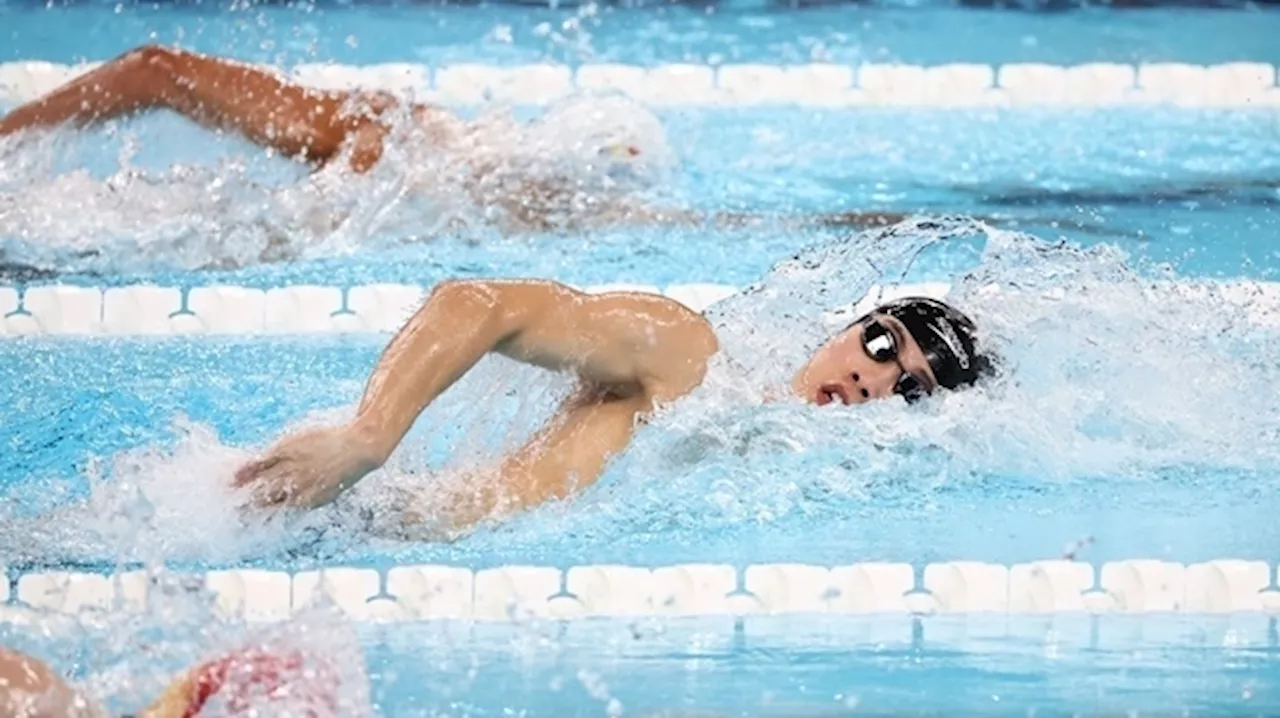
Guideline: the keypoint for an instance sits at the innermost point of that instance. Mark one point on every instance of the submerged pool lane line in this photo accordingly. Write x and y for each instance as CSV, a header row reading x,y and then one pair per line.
x,y
521,593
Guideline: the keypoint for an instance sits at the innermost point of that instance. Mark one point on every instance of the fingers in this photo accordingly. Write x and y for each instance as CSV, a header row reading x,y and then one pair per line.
x,y
270,485
274,490
278,495
252,470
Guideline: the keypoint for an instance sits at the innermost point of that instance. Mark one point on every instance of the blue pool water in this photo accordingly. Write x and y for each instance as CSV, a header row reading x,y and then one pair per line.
x,y
713,33
843,666
1193,188
1140,418
76,400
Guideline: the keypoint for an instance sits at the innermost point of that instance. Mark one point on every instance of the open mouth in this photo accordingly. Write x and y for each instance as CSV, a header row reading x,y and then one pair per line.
x,y
828,393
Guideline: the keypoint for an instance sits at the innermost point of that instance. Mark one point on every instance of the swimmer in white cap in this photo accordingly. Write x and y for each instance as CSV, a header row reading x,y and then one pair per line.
x,y
300,122
630,352
617,142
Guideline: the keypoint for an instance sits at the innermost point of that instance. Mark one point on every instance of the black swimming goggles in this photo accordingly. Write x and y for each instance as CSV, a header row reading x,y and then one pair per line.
x,y
881,344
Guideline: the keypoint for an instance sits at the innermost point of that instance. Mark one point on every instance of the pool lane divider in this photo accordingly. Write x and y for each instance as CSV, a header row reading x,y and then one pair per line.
x,y
142,310
66,310
1237,85
507,594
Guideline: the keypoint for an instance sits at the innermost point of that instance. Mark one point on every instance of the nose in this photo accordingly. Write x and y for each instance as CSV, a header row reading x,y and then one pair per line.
x,y
875,381
861,391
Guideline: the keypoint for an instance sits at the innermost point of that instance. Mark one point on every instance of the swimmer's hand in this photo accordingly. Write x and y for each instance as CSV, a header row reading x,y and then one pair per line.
x,y
308,469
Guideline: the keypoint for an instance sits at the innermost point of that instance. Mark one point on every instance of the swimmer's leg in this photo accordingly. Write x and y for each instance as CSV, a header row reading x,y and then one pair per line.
x,y
296,121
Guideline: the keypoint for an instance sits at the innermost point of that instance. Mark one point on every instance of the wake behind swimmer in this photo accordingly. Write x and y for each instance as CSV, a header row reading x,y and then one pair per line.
x,y
536,174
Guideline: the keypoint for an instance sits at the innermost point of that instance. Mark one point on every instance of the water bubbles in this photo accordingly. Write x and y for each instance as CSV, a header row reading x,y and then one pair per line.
x,y
586,159
501,34
1105,371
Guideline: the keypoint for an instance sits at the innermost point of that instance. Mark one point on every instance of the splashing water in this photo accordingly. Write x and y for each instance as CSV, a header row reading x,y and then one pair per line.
x,y
174,502
1107,371
310,666
148,505
585,159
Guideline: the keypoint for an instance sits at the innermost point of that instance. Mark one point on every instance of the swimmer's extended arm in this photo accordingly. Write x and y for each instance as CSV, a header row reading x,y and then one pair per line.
x,y
267,109
631,350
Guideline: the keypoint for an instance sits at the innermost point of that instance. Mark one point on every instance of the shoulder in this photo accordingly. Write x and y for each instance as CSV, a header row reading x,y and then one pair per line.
x,y
659,312
671,343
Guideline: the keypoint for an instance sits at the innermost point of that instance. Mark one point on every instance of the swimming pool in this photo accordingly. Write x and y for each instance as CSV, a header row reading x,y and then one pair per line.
x,y
1095,535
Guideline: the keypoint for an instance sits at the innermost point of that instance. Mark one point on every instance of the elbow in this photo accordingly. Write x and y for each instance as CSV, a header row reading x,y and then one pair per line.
x,y
481,303
463,291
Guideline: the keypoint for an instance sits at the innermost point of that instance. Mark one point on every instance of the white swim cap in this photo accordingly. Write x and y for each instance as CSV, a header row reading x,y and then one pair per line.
x,y
608,134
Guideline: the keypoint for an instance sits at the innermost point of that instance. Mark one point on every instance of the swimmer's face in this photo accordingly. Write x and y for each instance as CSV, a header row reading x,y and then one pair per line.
x,y
875,358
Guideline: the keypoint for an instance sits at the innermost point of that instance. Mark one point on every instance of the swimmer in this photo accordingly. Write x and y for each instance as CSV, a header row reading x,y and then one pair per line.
x,y
326,128
30,689
310,125
337,128
318,127
631,353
